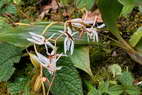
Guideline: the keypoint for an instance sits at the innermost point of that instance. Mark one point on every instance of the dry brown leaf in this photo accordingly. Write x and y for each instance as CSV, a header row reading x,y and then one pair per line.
x,y
45,9
90,16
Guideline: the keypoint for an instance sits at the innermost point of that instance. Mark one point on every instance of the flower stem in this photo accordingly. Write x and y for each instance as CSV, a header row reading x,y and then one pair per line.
x,y
51,83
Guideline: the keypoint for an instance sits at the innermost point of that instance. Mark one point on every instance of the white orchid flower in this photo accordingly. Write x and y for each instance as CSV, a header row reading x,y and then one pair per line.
x,y
50,61
41,40
92,34
36,38
68,41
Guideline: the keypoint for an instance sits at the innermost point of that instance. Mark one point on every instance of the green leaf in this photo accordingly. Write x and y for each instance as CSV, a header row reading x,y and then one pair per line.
x,y
9,55
129,5
103,86
18,86
18,35
130,2
67,81
1,4
126,2
127,10
81,60
139,47
93,91
110,10
136,37
132,90
11,9
88,4
126,79
115,90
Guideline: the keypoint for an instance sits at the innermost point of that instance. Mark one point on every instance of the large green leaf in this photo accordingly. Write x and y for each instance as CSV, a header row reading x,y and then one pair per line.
x,y
18,36
88,4
110,10
136,37
81,60
67,81
9,55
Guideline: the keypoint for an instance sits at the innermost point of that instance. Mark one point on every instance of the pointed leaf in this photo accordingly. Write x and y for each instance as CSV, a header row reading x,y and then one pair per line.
x,y
81,60
110,10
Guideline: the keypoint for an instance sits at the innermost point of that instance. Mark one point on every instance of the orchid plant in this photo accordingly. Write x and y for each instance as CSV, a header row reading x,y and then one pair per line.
x,y
49,62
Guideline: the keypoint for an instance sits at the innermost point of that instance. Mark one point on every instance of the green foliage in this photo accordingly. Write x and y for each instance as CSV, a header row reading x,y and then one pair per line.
x,y
88,4
130,2
105,89
127,10
93,91
103,86
7,6
126,87
126,79
110,17
136,37
9,55
18,36
115,90
19,86
67,81
129,5
81,59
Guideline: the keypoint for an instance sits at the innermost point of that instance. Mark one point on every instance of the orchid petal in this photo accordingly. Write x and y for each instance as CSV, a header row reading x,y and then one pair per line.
x,y
72,47
33,41
36,35
43,59
65,45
